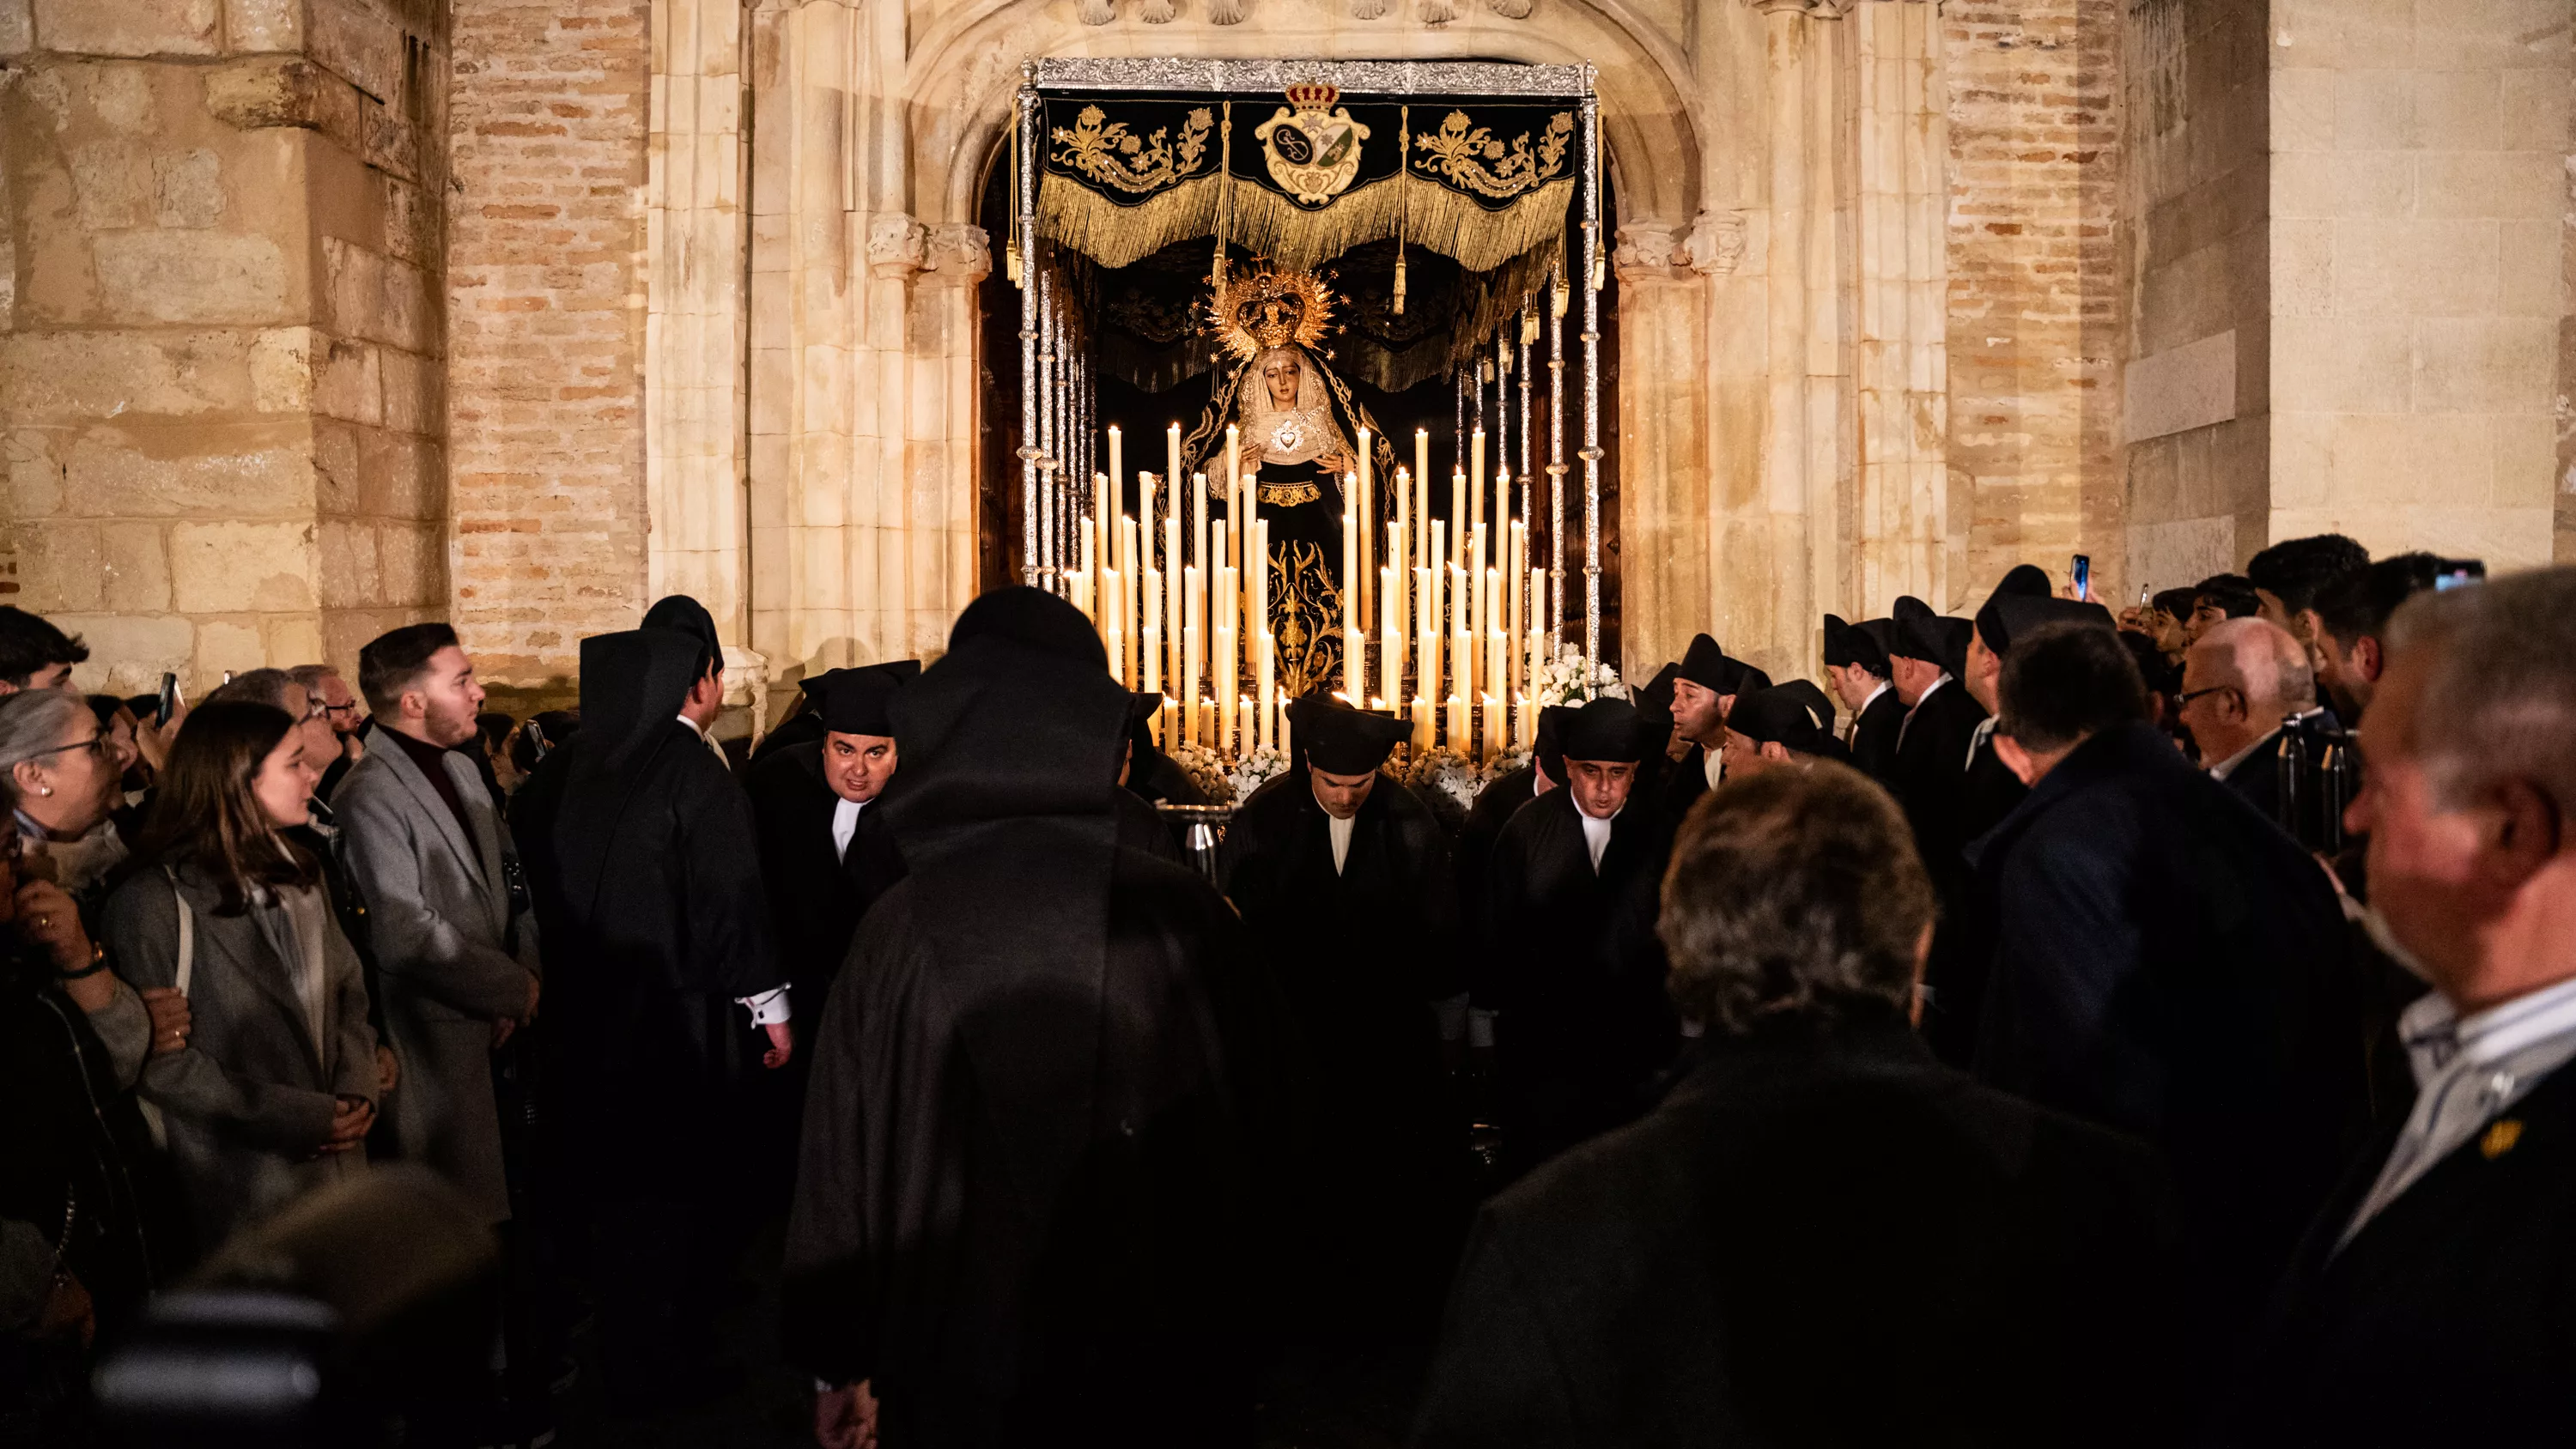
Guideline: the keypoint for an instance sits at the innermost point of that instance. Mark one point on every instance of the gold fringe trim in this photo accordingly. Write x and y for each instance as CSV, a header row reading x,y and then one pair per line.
x,y
1424,213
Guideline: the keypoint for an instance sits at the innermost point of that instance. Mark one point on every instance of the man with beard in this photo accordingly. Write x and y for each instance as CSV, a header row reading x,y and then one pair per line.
x,y
646,872
1856,663
1344,882
1028,1204
825,852
1573,974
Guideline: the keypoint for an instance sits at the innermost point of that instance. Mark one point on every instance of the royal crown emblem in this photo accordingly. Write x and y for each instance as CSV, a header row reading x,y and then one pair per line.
x,y
1313,149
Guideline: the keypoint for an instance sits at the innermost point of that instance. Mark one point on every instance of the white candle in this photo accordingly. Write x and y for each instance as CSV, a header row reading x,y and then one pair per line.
x,y
1128,602
1112,638
1492,743
1172,571
1422,467
1193,626
1151,649
1421,725
1515,559
1244,733
1457,518
1390,648
1368,524
1476,476
1269,692
1172,458
1116,475
1457,740
1233,481
1351,665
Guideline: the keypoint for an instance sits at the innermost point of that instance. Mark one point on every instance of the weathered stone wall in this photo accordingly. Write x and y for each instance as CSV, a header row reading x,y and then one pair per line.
x,y
2037,287
2418,188
546,391
2197,399
220,326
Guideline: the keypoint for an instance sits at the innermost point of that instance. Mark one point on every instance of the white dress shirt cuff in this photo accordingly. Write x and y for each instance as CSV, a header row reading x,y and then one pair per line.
x,y
768,1008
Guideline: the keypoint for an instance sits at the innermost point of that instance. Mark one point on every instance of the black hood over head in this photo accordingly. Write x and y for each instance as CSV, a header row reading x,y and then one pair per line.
x,y
688,616
632,686
1933,638
1034,618
1008,823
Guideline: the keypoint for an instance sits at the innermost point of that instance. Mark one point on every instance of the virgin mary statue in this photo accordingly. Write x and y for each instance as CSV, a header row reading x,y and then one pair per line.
x,y
1296,421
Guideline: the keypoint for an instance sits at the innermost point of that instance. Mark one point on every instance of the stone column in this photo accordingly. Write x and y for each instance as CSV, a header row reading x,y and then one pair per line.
x,y
1664,447
696,328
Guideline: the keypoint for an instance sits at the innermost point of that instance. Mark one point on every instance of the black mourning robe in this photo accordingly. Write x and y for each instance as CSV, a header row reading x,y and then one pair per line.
x,y
1029,1205
816,894
2450,1318
1571,965
2169,963
1931,781
806,728
1963,943
1816,1240
645,870
1873,741
1495,806
1671,787
1361,957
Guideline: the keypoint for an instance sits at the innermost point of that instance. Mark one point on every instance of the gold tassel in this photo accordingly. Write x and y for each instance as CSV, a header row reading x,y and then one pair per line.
x,y
1011,261
1558,296
1403,141
1399,276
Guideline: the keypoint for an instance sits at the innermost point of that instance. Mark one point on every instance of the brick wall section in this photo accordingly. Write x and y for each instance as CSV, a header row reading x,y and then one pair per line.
x,y
2037,296
545,363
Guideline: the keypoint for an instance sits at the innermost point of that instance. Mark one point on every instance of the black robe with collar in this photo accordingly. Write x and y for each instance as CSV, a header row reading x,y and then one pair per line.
x,y
1361,957
653,921
2168,963
817,894
1873,741
2450,1318
1495,806
1571,965
1816,1240
1963,945
1930,779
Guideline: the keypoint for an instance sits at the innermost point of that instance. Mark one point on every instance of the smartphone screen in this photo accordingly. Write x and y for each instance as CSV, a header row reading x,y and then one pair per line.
x,y
2083,577
169,702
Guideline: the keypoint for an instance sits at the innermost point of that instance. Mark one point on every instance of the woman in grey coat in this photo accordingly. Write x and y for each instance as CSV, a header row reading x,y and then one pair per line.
x,y
274,1094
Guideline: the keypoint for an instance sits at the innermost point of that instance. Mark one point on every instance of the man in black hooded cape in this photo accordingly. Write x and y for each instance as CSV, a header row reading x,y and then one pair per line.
x,y
1856,657
1029,1203
1362,935
820,883
645,871
1568,961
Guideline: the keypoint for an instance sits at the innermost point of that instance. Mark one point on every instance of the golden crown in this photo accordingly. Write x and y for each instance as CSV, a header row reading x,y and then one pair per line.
x,y
1263,309
1313,95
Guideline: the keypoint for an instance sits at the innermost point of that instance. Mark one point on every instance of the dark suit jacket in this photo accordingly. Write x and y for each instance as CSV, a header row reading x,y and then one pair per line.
x,y
1495,806
2257,779
1873,742
816,897
2168,963
2451,1317
1815,1240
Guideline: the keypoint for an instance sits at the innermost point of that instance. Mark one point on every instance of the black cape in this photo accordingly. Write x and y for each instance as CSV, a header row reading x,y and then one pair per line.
x,y
1570,963
1931,782
1963,944
2168,963
1495,806
1028,1205
1736,1269
1361,956
645,870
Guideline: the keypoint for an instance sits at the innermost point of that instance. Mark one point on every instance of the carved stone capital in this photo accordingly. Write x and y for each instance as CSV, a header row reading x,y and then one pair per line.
x,y
960,253
1645,252
897,245
1812,9
1716,244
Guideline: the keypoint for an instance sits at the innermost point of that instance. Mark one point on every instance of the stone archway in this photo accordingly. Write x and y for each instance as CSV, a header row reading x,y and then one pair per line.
x,y
1778,245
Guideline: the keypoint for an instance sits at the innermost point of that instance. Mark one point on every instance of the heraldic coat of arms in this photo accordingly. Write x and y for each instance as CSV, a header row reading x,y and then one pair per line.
x,y
1313,149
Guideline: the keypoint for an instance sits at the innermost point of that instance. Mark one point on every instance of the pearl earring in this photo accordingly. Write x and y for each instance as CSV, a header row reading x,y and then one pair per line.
x,y
44,789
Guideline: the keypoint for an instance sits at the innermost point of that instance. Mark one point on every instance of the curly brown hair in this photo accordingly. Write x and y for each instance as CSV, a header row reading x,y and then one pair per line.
x,y
1794,897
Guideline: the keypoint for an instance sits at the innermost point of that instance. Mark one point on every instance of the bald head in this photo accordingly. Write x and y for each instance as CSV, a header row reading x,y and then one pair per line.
x,y
2240,680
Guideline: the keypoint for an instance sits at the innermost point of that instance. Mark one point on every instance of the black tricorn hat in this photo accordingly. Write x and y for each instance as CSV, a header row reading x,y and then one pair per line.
x,y
2006,619
1706,665
1782,715
1933,638
856,700
1852,644
2021,581
1340,740
1607,730
1033,618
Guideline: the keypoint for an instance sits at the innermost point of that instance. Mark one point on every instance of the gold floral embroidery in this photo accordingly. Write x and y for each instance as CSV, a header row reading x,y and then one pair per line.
x,y
1305,619
1469,156
1289,495
1106,151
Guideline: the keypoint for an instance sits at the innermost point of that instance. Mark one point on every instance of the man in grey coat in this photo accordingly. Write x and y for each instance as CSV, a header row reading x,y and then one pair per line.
x,y
435,865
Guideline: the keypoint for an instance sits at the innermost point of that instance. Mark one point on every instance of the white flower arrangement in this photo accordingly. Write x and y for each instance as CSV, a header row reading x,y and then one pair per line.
x,y
1254,770
1205,770
1571,679
1448,772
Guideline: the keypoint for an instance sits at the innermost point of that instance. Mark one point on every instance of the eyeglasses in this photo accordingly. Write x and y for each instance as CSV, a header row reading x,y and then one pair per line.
x,y
350,708
98,745
2188,696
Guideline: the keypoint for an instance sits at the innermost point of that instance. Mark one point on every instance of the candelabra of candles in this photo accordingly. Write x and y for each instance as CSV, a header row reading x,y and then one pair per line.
x,y
1442,620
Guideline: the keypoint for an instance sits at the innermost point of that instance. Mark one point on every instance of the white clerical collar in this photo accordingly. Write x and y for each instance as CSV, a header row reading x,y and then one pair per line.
x,y
845,823
1596,832
693,726
2227,767
1340,831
